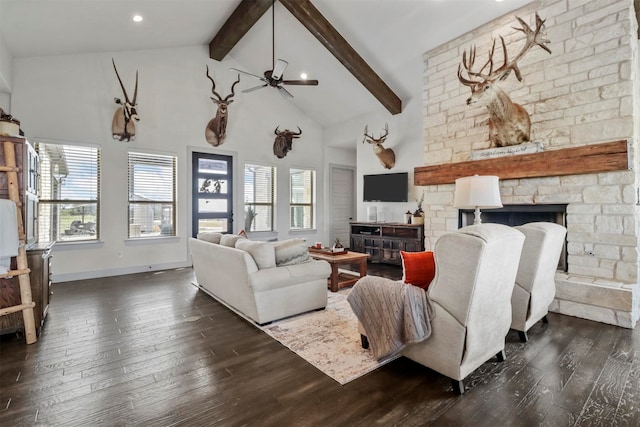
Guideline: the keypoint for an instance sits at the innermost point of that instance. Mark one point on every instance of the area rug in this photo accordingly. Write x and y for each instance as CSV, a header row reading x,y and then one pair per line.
x,y
327,339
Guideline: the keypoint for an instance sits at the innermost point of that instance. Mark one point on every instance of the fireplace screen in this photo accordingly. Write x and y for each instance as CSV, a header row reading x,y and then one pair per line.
x,y
514,215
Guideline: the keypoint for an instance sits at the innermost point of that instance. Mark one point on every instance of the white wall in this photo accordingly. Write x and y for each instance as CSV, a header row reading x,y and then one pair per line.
x,y
405,138
6,75
70,98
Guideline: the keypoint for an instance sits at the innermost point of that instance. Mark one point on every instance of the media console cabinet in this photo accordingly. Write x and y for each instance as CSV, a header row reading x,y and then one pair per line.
x,y
383,241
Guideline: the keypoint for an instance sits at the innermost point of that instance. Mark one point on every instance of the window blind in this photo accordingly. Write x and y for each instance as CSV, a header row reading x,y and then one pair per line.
x,y
259,196
152,195
69,192
302,198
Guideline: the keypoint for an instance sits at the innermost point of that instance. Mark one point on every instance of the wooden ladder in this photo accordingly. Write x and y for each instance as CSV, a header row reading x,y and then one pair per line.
x,y
22,271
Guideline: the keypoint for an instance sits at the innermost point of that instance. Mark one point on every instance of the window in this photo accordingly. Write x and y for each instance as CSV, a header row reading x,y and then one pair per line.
x,y
211,193
258,197
302,188
152,195
69,192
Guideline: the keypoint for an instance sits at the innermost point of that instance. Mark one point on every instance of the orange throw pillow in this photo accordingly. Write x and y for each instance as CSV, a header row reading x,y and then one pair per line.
x,y
418,268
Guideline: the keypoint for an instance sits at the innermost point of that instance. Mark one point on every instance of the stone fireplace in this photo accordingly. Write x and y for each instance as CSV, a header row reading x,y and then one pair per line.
x,y
585,94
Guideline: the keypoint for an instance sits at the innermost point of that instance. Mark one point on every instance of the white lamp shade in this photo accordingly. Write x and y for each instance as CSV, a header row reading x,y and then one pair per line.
x,y
477,192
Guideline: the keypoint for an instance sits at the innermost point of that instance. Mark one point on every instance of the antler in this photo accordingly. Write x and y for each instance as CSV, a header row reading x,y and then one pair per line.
x,y
233,88
533,38
366,129
126,97
374,140
135,91
386,132
213,85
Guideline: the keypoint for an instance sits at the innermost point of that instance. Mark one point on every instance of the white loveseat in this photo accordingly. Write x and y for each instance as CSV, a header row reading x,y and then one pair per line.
x,y
250,281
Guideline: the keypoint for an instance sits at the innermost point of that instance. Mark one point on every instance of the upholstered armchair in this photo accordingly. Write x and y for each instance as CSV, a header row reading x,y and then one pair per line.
x,y
470,299
535,285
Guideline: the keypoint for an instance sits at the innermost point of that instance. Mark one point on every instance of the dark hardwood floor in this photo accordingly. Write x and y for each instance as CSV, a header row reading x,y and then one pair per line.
x,y
151,350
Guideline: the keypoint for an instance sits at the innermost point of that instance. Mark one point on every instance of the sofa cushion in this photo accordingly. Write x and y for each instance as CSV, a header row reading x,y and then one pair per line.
x,y
290,275
230,240
209,236
263,253
291,251
418,268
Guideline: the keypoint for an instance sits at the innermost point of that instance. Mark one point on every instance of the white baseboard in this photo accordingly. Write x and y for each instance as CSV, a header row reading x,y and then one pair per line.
x,y
61,278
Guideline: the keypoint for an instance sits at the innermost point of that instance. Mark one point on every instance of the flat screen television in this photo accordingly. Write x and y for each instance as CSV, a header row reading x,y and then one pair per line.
x,y
389,187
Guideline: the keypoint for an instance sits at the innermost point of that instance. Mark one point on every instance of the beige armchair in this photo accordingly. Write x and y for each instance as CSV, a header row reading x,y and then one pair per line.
x,y
470,298
535,282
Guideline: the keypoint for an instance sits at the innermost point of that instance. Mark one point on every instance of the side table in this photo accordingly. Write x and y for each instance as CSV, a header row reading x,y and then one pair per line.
x,y
337,280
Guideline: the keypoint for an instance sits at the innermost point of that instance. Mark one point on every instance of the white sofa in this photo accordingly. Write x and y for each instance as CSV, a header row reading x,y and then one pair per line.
x,y
264,294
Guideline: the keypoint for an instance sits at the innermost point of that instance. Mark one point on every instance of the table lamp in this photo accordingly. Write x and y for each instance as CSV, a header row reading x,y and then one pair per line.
x,y
477,192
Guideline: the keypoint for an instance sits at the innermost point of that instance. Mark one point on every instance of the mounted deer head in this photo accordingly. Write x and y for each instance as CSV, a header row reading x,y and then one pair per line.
x,y
122,126
386,155
509,123
284,141
216,129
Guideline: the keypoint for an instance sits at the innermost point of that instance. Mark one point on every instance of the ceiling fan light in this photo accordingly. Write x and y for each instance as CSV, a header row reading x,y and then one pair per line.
x,y
137,18
303,76
279,68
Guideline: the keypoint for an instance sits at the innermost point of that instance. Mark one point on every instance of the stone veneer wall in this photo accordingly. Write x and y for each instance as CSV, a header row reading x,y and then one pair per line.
x,y
585,92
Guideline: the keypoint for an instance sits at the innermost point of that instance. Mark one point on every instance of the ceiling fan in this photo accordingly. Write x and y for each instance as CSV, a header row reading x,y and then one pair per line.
x,y
274,77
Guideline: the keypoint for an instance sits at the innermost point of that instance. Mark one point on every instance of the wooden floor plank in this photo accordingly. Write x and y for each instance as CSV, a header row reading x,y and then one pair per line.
x,y
151,349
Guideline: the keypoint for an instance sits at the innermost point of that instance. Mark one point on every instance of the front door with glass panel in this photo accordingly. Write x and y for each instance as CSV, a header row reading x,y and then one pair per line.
x,y
212,193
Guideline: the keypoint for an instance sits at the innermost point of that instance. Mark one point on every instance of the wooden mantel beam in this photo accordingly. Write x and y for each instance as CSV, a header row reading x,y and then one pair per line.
x,y
241,20
607,157
249,11
636,5
322,29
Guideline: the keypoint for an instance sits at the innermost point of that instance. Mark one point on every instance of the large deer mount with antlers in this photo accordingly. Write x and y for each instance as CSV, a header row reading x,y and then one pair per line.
x,y
509,123
122,125
216,130
386,155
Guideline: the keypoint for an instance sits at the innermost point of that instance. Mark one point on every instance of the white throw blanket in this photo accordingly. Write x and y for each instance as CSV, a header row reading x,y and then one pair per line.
x,y
393,313
8,233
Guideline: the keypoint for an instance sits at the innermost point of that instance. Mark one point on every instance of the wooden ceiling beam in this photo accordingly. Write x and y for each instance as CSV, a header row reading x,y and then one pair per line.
x,y
249,11
322,29
241,20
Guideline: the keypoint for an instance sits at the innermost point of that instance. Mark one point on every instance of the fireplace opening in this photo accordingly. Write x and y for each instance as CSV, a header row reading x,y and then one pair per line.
x,y
514,215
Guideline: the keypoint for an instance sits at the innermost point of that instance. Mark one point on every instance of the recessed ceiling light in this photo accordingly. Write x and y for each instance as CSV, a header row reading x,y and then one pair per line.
x,y
303,76
137,18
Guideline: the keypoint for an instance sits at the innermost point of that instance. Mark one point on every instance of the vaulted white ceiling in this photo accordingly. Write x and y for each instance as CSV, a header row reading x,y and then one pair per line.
x,y
389,34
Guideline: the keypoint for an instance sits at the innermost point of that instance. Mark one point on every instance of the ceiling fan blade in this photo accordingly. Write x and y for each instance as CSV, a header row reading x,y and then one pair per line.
x,y
300,82
285,93
278,69
251,89
248,74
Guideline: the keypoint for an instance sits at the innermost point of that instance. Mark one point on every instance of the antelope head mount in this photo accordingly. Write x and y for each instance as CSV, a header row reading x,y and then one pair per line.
x,y
284,141
216,129
509,123
386,155
123,126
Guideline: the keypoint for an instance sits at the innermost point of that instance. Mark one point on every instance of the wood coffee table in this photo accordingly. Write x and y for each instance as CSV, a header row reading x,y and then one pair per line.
x,y
338,280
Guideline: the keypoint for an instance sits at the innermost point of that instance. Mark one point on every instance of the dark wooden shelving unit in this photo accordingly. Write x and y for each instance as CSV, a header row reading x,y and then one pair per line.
x,y
383,241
